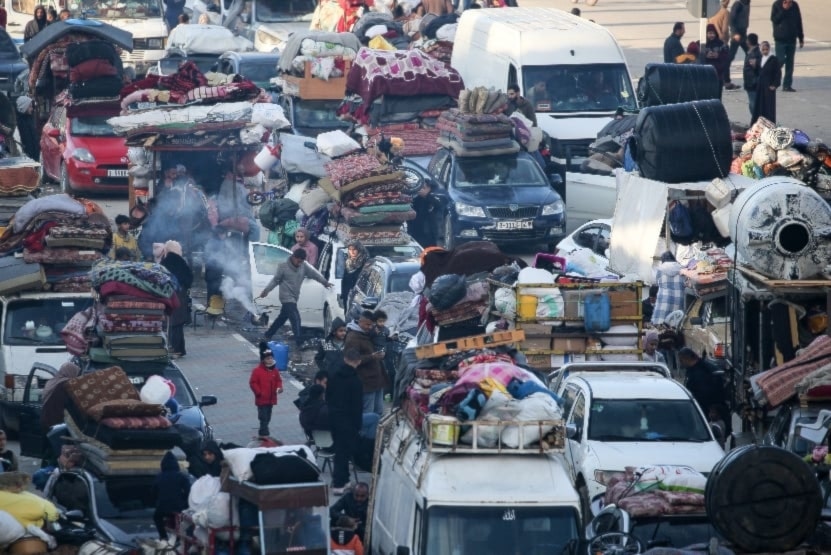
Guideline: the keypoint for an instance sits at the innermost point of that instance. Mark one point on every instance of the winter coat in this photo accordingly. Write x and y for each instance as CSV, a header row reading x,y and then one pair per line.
x,y
347,505
787,24
706,388
722,60
370,371
346,542
172,486
672,49
177,266
202,468
722,22
264,383
751,68
314,415
330,354
740,17
344,397
34,26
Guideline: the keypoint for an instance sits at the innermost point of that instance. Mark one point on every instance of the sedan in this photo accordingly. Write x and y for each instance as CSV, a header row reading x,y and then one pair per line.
x,y
83,153
594,235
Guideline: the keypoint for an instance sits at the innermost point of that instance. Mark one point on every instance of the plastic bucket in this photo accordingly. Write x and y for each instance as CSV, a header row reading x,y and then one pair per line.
x,y
266,158
527,308
281,354
444,430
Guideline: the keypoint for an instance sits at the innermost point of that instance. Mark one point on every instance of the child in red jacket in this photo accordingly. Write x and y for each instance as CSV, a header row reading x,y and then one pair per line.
x,y
266,383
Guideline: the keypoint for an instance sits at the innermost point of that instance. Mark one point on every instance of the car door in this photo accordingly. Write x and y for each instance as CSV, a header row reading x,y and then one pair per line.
x,y
360,291
576,446
32,438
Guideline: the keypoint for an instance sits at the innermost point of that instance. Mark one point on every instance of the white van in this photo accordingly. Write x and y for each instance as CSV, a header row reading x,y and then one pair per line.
x,y
572,70
429,500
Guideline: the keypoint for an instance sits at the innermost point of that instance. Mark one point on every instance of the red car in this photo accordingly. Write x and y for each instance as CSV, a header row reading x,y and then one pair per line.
x,y
83,153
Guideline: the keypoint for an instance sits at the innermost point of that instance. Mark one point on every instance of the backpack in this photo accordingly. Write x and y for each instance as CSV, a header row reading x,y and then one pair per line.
x,y
680,223
275,212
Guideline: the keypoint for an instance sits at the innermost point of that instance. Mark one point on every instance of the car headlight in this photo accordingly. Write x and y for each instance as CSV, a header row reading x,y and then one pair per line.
x,y
470,211
155,44
83,155
267,38
555,207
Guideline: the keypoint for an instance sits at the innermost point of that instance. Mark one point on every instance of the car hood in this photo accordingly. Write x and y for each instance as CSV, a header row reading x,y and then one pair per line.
x,y
618,455
490,195
108,150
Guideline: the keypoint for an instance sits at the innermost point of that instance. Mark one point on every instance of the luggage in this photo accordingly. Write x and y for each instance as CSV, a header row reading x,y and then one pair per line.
x,y
676,83
136,347
270,469
680,143
18,275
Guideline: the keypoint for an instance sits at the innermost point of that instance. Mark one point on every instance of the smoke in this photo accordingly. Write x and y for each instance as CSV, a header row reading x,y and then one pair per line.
x,y
240,293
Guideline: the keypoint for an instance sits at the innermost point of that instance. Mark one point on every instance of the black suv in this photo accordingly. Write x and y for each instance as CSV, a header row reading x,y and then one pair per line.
x,y
381,276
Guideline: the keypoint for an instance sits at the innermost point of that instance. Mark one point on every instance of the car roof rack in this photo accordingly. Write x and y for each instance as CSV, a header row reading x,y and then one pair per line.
x,y
572,368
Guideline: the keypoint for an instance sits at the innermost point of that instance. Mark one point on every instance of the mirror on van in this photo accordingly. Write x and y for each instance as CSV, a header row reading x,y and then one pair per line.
x,y
572,431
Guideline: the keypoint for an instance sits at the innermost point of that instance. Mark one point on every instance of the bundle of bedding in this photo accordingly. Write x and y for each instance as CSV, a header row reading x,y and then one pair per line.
x,y
19,176
468,301
657,491
476,134
316,45
376,235
775,386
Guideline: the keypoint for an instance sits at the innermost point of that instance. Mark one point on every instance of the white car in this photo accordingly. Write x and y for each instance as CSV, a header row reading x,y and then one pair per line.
x,y
317,305
629,414
594,235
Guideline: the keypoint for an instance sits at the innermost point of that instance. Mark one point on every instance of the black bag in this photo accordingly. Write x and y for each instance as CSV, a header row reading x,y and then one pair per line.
x,y
270,469
447,290
275,212
675,83
100,87
78,52
678,143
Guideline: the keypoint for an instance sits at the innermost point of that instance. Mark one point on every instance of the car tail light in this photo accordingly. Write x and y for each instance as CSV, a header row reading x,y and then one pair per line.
x,y
720,351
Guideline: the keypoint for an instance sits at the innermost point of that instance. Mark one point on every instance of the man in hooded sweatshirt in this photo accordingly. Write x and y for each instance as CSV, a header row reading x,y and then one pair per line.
x,y
209,462
36,25
266,384
343,397
670,284
330,353
172,491
370,371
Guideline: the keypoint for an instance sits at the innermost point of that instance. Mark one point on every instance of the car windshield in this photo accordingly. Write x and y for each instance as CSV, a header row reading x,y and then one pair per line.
x,y
400,280
279,10
91,126
40,321
647,420
500,530
498,171
117,9
579,88
318,114
259,72
673,532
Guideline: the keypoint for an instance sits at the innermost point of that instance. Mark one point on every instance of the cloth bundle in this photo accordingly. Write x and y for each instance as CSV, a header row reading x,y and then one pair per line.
x,y
475,134
377,235
139,280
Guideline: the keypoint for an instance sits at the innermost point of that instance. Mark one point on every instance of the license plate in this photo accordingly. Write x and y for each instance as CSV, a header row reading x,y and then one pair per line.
x,y
136,380
514,224
116,173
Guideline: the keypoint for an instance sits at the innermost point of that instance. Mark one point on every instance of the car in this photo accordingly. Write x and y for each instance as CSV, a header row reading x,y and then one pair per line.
x,y
594,235
318,306
12,63
505,199
33,442
706,327
83,153
258,67
310,118
629,414
381,276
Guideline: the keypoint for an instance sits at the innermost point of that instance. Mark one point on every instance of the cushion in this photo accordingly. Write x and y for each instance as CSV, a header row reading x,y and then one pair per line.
x,y
102,385
124,407
137,422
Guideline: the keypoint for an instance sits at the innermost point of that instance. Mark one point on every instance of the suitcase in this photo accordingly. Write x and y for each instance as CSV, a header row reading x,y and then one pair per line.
x,y
17,275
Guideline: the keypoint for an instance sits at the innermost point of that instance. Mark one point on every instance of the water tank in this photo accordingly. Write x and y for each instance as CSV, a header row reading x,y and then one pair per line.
x,y
782,228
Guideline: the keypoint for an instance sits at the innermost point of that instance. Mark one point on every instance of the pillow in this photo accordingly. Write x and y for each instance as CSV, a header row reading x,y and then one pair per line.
x,y
123,408
137,422
102,385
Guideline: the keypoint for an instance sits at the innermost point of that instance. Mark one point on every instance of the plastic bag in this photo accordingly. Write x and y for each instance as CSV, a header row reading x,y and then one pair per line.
x,y
533,276
551,305
788,157
538,406
10,528
504,301
499,407
270,116
380,43
447,290
763,154
336,143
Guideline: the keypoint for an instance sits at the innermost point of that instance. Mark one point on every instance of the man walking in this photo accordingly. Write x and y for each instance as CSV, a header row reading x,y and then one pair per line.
x,y
370,371
517,103
289,276
750,71
343,397
672,46
787,30
266,383
739,22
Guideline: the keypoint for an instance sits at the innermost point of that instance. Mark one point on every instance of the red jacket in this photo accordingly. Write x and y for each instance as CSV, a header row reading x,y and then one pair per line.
x,y
265,383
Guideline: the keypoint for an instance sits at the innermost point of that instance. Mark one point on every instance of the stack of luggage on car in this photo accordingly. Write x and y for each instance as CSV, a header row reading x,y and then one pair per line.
x,y
478,127
51,243
19,177
118,433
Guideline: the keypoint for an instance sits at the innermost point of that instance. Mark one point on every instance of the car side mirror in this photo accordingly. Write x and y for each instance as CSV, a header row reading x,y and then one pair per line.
x,y
207,400
573,431
402,550
555,179
697,321
55,133
370,303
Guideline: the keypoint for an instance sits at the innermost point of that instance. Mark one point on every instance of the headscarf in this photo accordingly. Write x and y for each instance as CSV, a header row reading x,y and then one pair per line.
x,y
305,233
651,335
173,246
358,262
67,371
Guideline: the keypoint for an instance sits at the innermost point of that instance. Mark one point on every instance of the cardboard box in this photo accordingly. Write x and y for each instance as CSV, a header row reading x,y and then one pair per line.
x,y
569,344
537,337
625,303
573,300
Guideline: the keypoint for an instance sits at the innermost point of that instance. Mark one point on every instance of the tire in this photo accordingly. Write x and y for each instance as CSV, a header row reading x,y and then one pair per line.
x,y
66,186
449,237
585,507
255,198
413,180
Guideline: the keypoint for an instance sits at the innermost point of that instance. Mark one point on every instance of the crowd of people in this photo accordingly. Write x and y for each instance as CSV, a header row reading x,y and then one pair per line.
x,y
763,71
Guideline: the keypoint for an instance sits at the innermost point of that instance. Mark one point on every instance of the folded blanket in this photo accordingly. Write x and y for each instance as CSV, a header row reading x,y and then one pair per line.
x,y
352,168
135,325
63,256
353,217
385,208
148,277
96,243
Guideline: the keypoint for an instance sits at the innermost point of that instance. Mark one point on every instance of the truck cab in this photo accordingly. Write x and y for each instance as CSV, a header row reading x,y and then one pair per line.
x,y
430,500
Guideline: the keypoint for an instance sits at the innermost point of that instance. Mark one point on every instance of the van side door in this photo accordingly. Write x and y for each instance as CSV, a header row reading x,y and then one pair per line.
x,y
33,440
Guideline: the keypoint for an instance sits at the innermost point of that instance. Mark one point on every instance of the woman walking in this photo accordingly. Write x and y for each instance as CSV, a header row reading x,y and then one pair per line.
x,y
176,265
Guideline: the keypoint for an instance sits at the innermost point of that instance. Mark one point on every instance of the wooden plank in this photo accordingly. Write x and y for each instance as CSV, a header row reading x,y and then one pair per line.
x,y
782,283
469,343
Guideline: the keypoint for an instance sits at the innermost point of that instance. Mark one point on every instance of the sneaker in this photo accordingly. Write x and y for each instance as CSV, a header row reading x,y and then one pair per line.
x,y
789,89
339,491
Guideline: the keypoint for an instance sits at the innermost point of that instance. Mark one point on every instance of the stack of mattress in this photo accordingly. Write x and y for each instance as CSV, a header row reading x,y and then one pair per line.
x,y
19,176
470,134
118,433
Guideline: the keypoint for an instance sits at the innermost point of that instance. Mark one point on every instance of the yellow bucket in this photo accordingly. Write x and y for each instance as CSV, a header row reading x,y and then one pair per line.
x,y
527,309
444,430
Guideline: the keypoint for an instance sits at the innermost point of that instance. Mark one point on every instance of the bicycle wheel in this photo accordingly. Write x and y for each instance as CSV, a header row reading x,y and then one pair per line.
x,y
255,198
412,179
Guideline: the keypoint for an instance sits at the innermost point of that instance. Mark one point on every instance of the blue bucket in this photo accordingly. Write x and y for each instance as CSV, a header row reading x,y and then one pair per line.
x,y
597,312
281,354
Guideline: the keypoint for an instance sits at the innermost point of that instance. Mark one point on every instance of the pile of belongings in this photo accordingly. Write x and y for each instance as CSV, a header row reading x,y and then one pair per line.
x,y
768,150
328,54
379,31
205,39
19,176
117,428
128,320
24,515
454,298
606,153
485,386
478,127
60,239
652,491
397,86
707,267
773,387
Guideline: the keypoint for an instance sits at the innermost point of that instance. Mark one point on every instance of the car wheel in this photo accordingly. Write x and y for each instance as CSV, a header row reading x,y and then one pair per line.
x,y
585,507
449,237
44,177
66,186
327,320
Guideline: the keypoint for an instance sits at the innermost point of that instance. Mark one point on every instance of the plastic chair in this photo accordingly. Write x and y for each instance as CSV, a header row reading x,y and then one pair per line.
x,y
324,448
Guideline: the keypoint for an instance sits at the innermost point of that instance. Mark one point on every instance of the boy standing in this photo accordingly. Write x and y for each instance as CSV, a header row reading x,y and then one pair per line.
x,y
122,238
266,384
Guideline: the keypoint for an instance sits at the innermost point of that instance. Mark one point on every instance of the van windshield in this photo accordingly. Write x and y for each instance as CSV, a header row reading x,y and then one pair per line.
x,y
40,321
500,530
271,11
579,88
112,9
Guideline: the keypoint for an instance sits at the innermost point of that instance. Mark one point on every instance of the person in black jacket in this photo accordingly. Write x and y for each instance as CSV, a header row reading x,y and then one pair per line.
x,y
330,353
750,71
178,266
209,462
354,505
314,415
672,45
705,385
787,30
739,22
321,378
344,395
36,25
172,491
